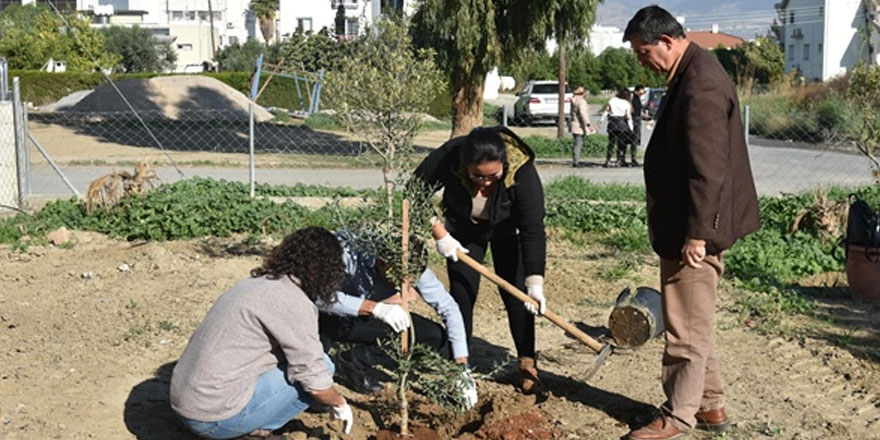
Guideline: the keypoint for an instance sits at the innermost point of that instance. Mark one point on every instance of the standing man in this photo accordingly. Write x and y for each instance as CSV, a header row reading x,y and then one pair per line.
x,y
636,139
701,199
580,124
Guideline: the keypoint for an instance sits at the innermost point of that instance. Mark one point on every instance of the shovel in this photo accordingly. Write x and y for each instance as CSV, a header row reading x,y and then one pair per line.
x,y
602,351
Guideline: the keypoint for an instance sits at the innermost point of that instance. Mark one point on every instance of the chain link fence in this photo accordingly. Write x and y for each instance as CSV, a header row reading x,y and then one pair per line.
x,y
791,152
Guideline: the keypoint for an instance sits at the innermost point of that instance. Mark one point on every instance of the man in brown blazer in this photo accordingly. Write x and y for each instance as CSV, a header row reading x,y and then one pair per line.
x,y
701,199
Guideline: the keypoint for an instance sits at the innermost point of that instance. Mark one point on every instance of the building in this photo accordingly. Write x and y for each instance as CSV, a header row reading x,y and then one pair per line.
x,y
714,39
314,15
603,37
196,29
822,38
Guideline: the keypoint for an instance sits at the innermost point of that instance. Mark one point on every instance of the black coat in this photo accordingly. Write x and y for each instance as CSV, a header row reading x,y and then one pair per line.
x,y
517,205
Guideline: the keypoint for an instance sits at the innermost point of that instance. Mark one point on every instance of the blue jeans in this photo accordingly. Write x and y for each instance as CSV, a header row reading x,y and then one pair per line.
x,y
274,403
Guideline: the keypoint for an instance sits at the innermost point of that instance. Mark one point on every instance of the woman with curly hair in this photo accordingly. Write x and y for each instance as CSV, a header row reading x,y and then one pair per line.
x,y
256,361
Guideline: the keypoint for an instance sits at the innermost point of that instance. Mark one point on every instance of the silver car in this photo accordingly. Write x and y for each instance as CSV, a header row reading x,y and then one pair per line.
x,y
540,100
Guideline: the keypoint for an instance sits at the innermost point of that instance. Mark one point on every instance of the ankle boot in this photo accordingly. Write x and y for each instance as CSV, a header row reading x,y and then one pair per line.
x,y
528,374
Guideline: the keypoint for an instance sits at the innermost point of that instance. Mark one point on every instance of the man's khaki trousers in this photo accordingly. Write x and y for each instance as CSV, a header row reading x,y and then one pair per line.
x,y
691,370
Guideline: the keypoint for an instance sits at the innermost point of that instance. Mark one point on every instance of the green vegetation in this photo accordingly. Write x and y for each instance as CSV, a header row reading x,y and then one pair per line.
x,y
768,265
31,35
546,147
138,50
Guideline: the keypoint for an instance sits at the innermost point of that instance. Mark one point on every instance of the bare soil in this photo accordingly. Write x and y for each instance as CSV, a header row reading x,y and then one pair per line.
x,y
89,335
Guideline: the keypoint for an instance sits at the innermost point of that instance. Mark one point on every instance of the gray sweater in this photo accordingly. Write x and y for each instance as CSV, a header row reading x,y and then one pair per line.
x,y
253,327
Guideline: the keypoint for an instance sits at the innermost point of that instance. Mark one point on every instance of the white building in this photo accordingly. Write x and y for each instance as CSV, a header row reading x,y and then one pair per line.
x,y
822,37
186,24
313,15
601,38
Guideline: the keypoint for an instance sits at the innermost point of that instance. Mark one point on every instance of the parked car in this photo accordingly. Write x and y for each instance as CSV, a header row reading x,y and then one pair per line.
x,y
655,96
540,100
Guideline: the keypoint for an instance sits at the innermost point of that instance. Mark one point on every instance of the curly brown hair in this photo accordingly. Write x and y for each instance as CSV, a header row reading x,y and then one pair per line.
x,y
311,254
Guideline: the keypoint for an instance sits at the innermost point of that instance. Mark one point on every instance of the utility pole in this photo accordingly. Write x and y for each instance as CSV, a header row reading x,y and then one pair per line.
x,y
211,20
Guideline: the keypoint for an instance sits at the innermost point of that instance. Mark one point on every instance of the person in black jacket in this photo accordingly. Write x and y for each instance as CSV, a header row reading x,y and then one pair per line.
x,y
492,196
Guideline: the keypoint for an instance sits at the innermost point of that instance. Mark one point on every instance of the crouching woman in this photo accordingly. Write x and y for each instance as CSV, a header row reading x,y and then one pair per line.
x,y
256,361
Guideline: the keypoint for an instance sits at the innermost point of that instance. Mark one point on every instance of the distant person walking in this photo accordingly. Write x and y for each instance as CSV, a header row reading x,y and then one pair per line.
x,y
618,112
700,200
635,141
580,124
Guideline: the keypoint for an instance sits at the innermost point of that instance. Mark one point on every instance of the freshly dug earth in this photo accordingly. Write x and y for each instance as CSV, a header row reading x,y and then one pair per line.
x,y
89,335
174,96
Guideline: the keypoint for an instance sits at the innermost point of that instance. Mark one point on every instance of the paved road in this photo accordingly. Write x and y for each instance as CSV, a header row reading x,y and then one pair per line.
x,y
776,170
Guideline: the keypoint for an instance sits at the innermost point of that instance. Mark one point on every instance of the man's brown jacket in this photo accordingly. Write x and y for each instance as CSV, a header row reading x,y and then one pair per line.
x,y
697,174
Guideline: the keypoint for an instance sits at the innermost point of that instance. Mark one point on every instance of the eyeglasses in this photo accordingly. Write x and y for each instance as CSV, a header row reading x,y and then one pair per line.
x,y
489,178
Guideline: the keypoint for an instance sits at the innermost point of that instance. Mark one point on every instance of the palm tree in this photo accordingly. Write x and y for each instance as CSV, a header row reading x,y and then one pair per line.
x,y
265,11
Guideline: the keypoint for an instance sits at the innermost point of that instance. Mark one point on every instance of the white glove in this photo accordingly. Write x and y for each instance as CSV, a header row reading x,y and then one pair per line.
x,y
466,386
393,315
448,245
343,412
536,292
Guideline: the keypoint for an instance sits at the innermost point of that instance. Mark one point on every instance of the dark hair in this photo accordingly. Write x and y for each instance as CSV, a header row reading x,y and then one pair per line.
x,y
639,87
482,145
311,254
624,94
650,23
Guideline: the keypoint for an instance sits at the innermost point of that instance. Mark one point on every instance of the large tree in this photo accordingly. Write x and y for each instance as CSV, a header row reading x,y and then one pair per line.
x,y
760,61
265,12
139,50
30,35
570,25
472,36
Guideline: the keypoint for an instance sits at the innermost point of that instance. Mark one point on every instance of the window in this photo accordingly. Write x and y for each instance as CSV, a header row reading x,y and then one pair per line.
x,y
791,17
203,15
190,15
791,52
304,24
176,15
819,49
347,4
806,52
351,27
233,40
821,10
185,46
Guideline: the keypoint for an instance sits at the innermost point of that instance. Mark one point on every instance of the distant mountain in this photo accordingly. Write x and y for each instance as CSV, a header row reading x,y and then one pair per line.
x,y
743,18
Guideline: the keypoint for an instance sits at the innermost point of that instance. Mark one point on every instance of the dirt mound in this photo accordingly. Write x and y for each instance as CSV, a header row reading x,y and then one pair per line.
x,y
176,97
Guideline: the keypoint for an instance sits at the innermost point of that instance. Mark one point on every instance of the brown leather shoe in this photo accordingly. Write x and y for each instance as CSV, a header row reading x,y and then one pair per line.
x,y
713,420
659,429
528,375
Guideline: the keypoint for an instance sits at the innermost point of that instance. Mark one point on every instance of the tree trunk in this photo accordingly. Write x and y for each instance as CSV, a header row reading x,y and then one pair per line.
x,y
267,25
388,177
467,108
560,121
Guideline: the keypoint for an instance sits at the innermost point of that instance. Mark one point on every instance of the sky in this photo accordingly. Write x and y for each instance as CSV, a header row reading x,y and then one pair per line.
x,y
743,18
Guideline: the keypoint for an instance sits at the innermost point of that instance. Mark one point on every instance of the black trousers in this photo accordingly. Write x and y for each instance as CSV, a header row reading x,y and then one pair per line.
x,y
366,330
464,283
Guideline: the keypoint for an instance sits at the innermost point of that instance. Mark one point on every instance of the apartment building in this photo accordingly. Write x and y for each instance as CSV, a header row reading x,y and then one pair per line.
x,y
823,38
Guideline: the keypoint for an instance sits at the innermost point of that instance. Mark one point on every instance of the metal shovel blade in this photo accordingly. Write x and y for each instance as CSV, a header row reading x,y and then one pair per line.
x,y
600,359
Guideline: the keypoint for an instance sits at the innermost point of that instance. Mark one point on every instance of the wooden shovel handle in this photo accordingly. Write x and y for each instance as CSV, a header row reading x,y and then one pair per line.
x,y
518,294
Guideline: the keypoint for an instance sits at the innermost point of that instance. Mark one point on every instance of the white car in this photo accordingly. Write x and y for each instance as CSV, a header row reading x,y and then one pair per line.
x,y
540,100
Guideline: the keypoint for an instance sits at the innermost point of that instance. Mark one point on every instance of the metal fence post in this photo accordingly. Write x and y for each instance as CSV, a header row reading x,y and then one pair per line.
x,y
746,126
251,159
4,79
504,115
20,144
